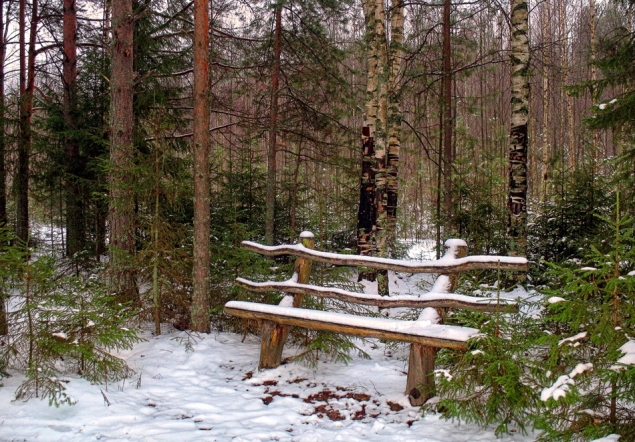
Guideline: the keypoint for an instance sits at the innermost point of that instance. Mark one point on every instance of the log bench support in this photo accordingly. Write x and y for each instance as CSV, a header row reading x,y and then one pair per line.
x,y
424,337
274,335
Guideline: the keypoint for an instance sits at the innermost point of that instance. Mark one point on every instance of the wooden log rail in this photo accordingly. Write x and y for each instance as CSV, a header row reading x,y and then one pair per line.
x,y
425,334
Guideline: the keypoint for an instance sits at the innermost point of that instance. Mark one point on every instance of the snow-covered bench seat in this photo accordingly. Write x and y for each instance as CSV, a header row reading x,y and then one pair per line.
x,y
425,334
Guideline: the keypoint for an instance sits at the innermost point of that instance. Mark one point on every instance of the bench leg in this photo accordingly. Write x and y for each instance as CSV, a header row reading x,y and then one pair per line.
x,y
420,383
273,337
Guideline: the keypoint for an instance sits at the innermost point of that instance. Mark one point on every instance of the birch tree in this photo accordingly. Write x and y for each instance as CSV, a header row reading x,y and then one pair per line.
x,y
381,133
518,142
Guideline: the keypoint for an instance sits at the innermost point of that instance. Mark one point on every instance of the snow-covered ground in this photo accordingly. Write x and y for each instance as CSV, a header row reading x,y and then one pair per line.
x,y
215,393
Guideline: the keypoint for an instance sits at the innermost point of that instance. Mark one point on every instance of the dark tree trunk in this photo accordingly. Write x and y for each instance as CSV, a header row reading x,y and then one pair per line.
x,y
74,207
122,215
27,85
201,272
448,125
367,213
270,215
3,172
4,324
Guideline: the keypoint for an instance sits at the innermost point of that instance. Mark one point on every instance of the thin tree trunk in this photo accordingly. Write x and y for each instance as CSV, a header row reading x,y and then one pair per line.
x,y
545,33
594,77
565,78
518,145
3,56
27,85
270,209
200,297
122,217
74,209
4,322
448,124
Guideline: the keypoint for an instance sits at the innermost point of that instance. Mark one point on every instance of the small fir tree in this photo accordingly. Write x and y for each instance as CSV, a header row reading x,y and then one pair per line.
x,y
588,326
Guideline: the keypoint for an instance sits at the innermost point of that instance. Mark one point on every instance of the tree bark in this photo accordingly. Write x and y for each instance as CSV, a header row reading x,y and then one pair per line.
x,y
200,298
3,172
518,143
122,154
448,124
367,212
74,209
27,86
395,117
270,203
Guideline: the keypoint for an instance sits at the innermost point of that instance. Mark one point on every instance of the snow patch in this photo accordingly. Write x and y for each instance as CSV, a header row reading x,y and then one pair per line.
x,y
574,338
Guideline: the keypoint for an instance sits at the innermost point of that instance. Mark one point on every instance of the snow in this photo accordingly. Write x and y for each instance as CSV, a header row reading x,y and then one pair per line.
x,y
437,292
629,354
408,265
555,299
574,338
561,386
415,328
215,393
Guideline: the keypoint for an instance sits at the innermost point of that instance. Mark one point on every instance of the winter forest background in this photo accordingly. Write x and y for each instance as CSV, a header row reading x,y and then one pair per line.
x,y
142,141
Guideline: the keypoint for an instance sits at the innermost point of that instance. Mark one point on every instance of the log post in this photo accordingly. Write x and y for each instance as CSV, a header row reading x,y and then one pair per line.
x,y
274,335
420,383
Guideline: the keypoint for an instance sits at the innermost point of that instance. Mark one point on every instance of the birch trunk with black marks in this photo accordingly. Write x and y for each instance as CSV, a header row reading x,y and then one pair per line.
x,y
518,142
395,117
201,113
382,123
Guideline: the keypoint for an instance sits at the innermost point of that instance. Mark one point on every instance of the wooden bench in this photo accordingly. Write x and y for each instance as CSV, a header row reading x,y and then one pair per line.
x,y
426,334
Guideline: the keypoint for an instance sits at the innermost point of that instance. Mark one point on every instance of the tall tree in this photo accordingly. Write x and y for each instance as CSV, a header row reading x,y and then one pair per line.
x,y
381,134
447,124
395,117
74,212
122,155
201,112
27,86
273,129
4,28
518,143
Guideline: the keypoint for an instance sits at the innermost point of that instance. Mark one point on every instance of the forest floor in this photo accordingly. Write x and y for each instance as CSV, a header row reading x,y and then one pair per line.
x,y
213,392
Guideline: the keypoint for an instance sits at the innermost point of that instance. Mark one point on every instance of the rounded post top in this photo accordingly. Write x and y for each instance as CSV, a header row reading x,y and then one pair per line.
x,y
454,242
307,234
455,248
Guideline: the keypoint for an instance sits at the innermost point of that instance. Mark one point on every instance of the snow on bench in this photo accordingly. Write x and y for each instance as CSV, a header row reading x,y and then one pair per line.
x,y
425,334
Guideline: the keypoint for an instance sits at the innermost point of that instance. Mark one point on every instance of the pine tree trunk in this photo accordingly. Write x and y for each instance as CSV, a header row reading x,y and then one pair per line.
x,y
27,85
518,143
270,209
122,217
200,298
74,209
